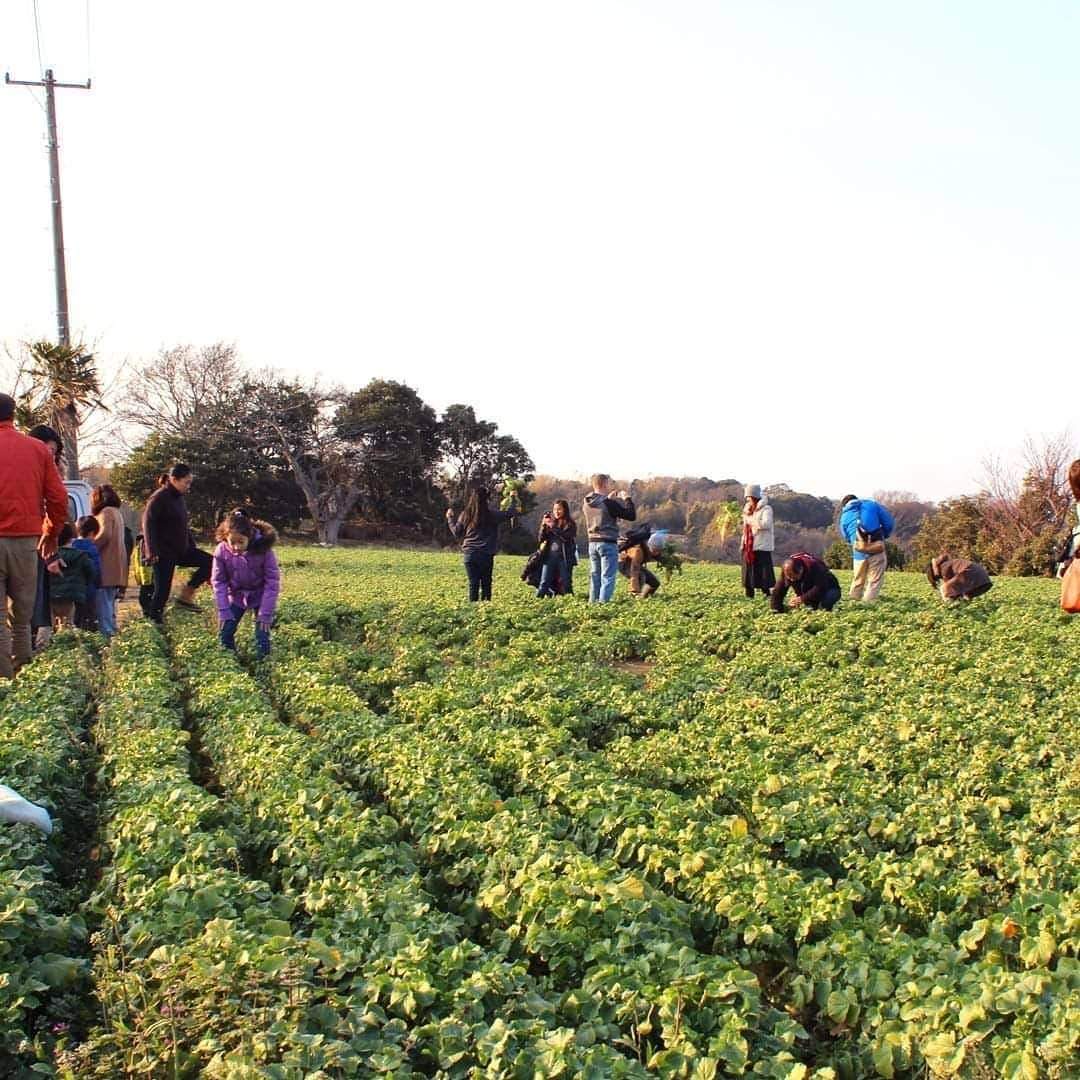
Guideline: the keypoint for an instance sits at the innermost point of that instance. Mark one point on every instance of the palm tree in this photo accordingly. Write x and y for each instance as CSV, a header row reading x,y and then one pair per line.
x,y
63,380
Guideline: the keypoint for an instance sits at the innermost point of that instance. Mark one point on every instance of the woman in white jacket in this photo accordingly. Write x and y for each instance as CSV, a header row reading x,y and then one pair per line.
x,y
757,542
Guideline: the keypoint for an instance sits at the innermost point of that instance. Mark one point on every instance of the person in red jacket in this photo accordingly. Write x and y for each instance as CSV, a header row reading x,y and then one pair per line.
x,y
33,510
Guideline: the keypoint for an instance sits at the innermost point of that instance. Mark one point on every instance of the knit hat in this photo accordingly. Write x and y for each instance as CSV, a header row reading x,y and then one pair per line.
x,y
752,491
657,540
14,808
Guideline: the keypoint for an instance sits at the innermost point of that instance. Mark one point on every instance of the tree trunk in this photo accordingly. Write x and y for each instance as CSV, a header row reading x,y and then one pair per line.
x,y
67,427
328,531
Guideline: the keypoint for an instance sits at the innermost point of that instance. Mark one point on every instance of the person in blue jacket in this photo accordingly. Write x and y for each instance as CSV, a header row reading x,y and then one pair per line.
x,y
866,525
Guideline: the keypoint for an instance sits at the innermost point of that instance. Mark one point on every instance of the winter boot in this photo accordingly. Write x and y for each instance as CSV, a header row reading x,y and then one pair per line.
x,y
186,599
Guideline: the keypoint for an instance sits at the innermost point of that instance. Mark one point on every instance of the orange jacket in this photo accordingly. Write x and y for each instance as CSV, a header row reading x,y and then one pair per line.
x,y
33,499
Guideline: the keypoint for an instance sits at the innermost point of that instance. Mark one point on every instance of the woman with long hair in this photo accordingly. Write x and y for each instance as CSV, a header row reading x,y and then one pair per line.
x,y
105,506
559,531
477,527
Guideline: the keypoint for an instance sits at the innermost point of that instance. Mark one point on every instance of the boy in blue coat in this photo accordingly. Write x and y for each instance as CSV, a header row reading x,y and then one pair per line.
x,y
866,525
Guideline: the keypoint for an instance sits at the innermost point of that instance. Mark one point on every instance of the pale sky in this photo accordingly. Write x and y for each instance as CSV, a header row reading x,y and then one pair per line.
x,y
832,244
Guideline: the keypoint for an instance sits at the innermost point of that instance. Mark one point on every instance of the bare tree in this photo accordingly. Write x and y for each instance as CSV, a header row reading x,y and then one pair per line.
x,y
182,388
1031,498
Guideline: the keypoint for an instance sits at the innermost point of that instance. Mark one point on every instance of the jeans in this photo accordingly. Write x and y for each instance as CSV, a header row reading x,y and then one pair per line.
x,y
479,567
828,599
554,574
227,633
603,568
106,610
163,575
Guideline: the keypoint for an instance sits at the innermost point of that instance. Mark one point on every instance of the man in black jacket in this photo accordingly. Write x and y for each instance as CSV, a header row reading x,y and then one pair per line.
x,y
814,584
168,543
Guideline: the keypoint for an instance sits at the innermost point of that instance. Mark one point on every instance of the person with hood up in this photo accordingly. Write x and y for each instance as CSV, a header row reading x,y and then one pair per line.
x,y
245,577
757,542
602,510
958,579
866,525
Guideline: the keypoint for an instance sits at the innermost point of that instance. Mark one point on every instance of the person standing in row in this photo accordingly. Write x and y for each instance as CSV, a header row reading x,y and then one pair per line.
x,y
602,512
757,542
478,529
74,580
866,525
105,506
33,510
559,531
168,543
86,533
41,620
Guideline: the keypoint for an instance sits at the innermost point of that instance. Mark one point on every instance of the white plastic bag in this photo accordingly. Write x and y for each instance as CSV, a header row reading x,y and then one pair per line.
x,y
14,808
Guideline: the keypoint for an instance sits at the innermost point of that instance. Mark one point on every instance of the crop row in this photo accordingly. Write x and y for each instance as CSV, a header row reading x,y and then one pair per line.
x,y
510,867
41,940
197,970
943,939
424,994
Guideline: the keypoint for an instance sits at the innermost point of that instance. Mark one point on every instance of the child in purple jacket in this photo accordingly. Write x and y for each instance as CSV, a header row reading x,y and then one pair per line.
x,y
245,578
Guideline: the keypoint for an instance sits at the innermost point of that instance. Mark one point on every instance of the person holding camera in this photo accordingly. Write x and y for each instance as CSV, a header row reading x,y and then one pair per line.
x,y
558,531
866,525
603,508
757,542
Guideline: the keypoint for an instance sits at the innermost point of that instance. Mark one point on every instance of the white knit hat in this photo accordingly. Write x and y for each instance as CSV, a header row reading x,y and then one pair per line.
x,y
752,491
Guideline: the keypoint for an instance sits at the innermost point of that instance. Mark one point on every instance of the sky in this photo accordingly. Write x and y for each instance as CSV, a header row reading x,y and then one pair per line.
x,y
829,244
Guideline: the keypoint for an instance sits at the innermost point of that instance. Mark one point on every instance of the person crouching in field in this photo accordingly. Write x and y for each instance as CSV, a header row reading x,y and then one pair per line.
x,y
245,577
814,584
633,555
73,582
958,579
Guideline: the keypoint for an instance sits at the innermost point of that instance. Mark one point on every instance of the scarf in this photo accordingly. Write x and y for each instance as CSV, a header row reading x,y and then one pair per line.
x,y
748,545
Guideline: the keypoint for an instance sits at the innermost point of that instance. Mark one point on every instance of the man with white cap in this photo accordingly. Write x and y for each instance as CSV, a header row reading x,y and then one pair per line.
x,y
758,541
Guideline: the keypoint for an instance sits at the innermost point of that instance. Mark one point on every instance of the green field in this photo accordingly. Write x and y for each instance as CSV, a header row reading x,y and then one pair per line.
x,y
678,837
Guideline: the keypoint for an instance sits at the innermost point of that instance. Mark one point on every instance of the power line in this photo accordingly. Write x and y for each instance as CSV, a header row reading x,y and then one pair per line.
x,y
37,38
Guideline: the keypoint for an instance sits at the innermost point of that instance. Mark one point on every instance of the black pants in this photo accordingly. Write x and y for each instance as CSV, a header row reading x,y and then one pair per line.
x,y
163,575
479,567
758,574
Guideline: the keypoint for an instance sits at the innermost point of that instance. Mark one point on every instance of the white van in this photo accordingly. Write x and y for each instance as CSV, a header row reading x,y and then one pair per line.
x,y
78,492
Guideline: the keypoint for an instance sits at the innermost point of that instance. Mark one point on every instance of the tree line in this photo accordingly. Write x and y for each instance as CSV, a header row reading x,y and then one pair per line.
x,y
297,450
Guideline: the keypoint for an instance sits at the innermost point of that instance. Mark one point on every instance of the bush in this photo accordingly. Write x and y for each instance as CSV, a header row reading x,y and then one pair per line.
x,y
837,556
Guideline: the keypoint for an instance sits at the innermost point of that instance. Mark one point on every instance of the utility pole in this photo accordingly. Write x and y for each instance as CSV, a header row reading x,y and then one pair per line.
x,y
63,324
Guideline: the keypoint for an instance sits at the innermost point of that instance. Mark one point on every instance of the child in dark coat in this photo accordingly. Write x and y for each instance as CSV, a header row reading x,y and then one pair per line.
x,y
86,529
74,581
